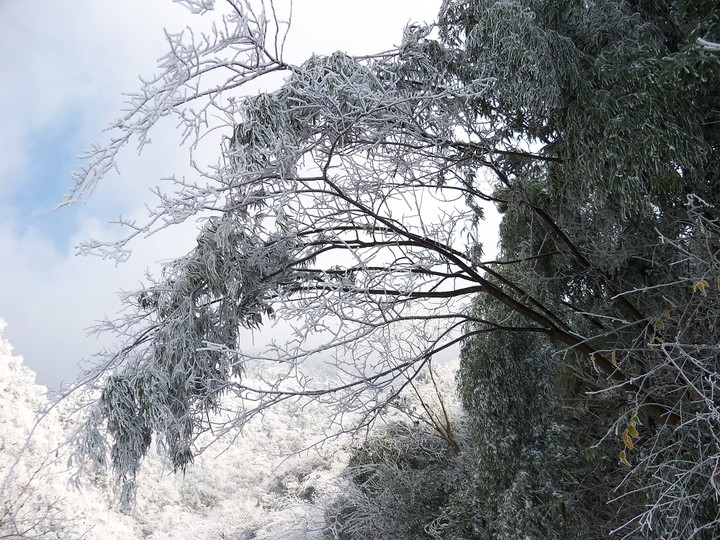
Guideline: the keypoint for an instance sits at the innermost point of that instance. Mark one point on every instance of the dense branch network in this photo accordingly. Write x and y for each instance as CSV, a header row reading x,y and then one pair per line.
x,y
348,204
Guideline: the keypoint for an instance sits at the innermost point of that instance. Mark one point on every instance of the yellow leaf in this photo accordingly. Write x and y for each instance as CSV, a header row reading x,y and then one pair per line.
x,y
627,440
700,285
592,359
614,359
623,458
660,325
632,430
624,434
666,313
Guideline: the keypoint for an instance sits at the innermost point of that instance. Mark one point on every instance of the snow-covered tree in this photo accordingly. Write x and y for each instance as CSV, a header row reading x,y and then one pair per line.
x,y
36,502
613,241
259,486
349,204
25,510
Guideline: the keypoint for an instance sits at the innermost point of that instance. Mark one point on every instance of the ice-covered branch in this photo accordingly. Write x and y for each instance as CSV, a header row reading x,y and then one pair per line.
x,y
194,75
708,45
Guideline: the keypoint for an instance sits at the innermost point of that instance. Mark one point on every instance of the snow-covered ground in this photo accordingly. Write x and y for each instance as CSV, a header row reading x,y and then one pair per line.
x,y
238,489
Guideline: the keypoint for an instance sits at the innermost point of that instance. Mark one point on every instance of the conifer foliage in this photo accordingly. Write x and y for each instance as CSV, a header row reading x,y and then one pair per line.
x,y
349,202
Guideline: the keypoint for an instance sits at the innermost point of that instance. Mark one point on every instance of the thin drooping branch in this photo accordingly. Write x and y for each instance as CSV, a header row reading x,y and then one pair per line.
x,y
347,206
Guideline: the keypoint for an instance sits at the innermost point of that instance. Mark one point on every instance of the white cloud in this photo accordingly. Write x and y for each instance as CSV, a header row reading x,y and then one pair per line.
x,y
72,59
60,60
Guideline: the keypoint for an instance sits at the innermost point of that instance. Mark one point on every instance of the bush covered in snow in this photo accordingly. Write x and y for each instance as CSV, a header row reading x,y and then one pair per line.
x,y
36,500
263,484
406,484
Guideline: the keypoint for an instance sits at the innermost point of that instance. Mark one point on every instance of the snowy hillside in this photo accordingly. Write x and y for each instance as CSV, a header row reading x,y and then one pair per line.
x,y
247,491
261,485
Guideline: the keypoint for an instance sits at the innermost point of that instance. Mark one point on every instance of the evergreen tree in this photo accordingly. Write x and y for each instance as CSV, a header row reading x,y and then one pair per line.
x,y
610,239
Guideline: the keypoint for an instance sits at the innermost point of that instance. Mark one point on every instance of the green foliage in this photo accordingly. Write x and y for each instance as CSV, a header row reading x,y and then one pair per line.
x,y
507,386
597,84
602,238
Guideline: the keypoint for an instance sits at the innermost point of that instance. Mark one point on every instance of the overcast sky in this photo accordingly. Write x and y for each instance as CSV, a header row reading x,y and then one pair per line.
x,y
63,68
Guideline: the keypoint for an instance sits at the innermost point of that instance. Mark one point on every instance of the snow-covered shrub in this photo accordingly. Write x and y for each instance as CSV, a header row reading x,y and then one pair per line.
x,y
259,485
406,483
412,478
36,501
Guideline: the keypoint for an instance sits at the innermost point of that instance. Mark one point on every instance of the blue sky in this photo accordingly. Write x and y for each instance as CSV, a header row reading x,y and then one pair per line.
x,y
63,68
45,179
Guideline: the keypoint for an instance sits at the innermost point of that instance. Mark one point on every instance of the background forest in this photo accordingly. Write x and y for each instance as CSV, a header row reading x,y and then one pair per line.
x,y
349,205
